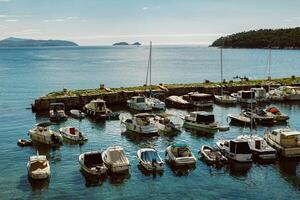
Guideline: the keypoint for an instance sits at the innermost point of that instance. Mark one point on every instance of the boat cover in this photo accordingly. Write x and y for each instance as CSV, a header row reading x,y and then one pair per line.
x,y
150,156
116,156
177,145
273,110
92,159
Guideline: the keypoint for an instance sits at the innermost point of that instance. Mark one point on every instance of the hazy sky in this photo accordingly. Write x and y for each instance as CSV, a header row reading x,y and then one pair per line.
x,y
96,22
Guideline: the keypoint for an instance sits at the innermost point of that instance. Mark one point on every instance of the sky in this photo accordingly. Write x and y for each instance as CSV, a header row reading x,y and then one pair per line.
x,y
103,22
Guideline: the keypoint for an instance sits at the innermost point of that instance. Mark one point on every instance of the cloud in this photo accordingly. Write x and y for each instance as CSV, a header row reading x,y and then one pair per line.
x,y
11,20
145,8
26,32
292,19
61,19
3,16
4,0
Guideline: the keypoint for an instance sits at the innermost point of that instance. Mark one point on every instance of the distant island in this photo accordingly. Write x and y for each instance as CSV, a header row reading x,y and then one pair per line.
x,y
126,44
264,38
19,42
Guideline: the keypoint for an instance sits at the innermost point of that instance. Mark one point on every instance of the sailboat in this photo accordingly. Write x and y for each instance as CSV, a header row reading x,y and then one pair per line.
x,y
224,98
154,103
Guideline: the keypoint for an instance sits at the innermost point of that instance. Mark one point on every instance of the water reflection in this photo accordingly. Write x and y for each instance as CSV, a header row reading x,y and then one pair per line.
x,y
92,180
38,185
183,170
290,170
236,169
138,138
150,173
118,178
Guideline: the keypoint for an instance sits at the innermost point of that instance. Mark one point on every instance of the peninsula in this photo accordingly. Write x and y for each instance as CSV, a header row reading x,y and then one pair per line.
x,y
20,42
126,44
264,38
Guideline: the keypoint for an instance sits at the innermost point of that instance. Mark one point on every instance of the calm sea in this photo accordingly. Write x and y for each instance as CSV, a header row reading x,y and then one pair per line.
x,y
26,73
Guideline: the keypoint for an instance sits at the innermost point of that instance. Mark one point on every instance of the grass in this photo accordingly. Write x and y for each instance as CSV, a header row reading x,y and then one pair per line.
x,y
98,91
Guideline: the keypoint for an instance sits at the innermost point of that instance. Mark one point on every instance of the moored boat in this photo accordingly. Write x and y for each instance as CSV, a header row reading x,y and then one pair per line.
x,y
166,126
77,114
72,134
97,110
260,117
276,114
150,159
139,103
180,154
155,103
201,100
115,159
239,119
201,120
24,142
260,94
38,167
92,163
212,156
225,99
57,112
177,102
245,97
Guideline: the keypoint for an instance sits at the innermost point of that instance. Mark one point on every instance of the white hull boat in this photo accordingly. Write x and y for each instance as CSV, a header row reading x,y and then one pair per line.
x,y
92,163
116,160
155,103
139,103
180,154
225,99
97,110
38,167
276,114
212,156
142,124
72,134
77,114
237,150
150,159
57,112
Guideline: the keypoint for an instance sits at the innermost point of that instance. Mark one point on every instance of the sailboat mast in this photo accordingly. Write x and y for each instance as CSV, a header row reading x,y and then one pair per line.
x,y
150,67
269,70
221,71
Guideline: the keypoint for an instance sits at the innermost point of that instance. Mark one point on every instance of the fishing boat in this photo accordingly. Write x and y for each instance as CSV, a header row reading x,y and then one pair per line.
x,y
201,120
92,163
239,119
260,117
260,94
42,134
177,102
77,114
276,114
138,103
180,154
285,140
57,112
97,109
212,156
38,167
235,149
24,143
72,134
142,123
150,159
115,159
166,126
245,96
259,147
201,100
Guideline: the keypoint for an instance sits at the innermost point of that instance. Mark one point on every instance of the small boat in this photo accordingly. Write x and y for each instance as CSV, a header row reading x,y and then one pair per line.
x,y
180,154
38,167
260,149
201,100
57,112
42,134
142,123
166,126
72,134
201,120
92,163
291,93
115,159
97,110
155,103
177,102
260,94
139,103
245,96
235,149
285,140
276,114
275,95
260,117
225,99
77,113
239,119
212,156
150,159
24,143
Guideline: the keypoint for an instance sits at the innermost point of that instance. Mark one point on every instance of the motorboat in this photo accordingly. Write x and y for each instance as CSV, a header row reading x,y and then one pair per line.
x,y
245,96
42,134
225,99
260,117
155,103
57,112
285,140
139,103
260,94
212,156
97,109
24,142
77,114
201,100
239,119
275,95
150,159
201,120
180,154
235,149
115,159
177,102
142,123
290,92
38,167
259,147
276,114
72,134
92,163
166,126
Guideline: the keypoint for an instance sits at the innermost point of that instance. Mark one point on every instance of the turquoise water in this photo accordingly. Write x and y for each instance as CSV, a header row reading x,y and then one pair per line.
x,y
28,73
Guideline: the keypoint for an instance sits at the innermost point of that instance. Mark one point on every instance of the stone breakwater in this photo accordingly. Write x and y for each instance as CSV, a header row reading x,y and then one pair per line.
x,y
119,98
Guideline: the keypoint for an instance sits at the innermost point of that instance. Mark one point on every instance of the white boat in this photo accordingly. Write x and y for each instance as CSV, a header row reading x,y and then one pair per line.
x,y
260,117
42,134
275,95
57,112
212,156
142,123
97,110
245,97
38,167
180,154
115,159
77,114
138,103
285,141
201,120
92,163
236,149
72,134
201,100
276,114
259,147
239,119
155,103
150,159
177,102
260,94
166,126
